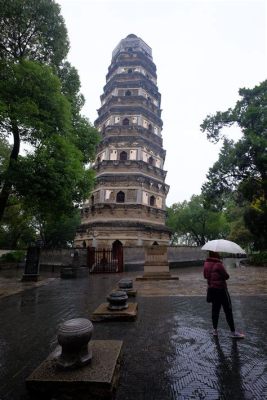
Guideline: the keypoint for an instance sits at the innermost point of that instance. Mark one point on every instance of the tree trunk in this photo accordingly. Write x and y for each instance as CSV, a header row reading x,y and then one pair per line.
x,y
7,186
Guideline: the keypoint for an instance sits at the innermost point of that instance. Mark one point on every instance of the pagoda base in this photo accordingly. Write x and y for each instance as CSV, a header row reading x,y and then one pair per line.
x,y
130,234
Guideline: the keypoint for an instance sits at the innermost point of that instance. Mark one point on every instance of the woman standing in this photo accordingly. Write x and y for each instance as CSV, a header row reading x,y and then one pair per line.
x,y
216,276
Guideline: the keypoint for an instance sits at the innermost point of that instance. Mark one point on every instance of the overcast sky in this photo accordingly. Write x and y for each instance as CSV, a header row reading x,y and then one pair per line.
x,y
204,52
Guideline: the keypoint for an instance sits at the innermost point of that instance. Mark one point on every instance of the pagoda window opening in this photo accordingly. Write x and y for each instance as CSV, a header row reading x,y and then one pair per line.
x,y
128,93
152,200
151,160
120,198
123,156
150,128
126,121
92,200
130,71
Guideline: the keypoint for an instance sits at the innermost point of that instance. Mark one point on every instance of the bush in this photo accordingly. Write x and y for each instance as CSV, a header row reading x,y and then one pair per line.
x,y
258,259
14,256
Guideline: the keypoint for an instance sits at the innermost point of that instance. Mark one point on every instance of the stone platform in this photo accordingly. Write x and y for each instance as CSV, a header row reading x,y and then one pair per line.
x,y
102,313
169,352
98,380
159,276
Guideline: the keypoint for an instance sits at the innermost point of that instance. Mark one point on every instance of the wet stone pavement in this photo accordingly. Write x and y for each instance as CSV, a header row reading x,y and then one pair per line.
x,y
168,352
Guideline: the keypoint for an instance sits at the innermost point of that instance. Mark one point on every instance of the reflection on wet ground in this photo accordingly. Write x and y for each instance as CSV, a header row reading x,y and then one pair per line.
x,y
168,352
10,281
243,281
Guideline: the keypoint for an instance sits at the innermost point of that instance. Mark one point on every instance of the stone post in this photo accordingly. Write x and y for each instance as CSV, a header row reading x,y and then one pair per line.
x,y
31,271
156,264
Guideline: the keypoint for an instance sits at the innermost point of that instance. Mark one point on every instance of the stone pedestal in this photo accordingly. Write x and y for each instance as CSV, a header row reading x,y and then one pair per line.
x,y
30,277
156,265
126,284
117,300
98,380
103,313
31,271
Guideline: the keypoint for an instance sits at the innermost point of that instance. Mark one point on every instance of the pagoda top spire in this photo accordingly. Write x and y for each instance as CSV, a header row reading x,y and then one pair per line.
x,y
132,43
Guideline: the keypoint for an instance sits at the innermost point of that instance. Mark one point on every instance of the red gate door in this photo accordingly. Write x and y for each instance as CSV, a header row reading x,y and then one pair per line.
x,y
117,250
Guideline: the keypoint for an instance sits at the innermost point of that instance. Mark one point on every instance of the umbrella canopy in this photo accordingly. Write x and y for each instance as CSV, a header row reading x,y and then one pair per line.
x,y
225,246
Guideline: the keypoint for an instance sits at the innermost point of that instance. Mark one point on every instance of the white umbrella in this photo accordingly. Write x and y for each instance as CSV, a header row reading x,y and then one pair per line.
x,y
225,246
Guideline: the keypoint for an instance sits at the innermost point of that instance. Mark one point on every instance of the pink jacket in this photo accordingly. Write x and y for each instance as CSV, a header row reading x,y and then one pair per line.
x,y
215,273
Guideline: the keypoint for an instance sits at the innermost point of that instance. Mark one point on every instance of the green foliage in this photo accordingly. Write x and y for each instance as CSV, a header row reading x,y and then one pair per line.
x,y
70,81
221,180
242,166
14,256
193,224
84,136
57,177
255,217
258,259
16,228
5,149
31,102
239,233
40,105
60,232
32,29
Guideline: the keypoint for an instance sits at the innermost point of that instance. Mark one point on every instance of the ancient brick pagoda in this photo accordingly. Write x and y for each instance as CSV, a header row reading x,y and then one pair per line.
x,y
127,205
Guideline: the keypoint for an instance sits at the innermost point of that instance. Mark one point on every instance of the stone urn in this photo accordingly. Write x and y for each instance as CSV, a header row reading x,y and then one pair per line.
x,y
117,300
74,336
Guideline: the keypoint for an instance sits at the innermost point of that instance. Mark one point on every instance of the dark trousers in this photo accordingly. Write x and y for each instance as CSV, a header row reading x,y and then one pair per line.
x,y
220,297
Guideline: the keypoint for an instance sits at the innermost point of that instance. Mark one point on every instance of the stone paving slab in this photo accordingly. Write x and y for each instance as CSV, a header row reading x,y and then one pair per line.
x,y
168,352
8,286
102,313
243,281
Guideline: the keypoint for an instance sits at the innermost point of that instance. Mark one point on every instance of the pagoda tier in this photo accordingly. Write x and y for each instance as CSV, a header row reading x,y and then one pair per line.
x,y
127,204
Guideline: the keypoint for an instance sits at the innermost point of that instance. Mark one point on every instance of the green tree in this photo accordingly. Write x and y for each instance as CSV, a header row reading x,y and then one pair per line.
x,y
235,217
32,29
40,106
17,229
242,166
5,149
193,224
60,232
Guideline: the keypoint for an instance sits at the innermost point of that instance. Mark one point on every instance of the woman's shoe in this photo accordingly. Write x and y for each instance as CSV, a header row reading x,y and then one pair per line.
x,y
237,335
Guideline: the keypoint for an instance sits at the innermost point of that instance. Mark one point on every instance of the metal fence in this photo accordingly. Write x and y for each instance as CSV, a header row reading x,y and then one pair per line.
x,y
105,260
